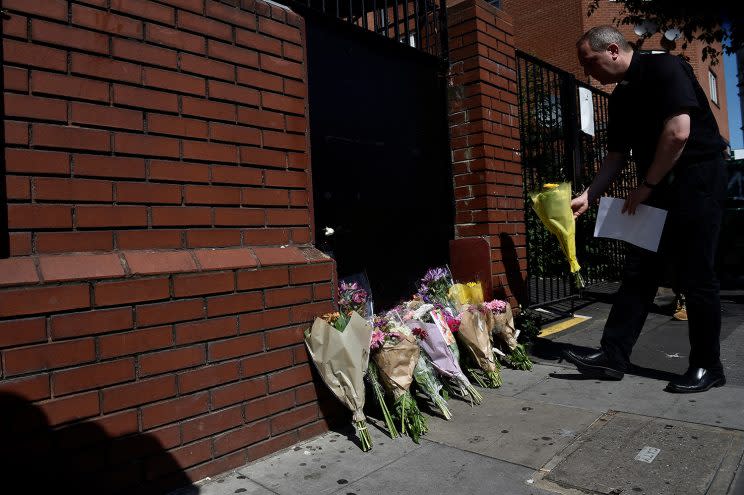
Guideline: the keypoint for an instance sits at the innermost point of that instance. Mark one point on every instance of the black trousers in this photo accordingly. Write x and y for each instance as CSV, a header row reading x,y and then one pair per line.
x,y
694,196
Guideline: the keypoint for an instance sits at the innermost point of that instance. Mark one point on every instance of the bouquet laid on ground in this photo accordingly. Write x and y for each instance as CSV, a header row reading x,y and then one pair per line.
x,y
499,318
395,353
462,295
424,373
339,347
552,203
438,342
434,289
477,340
354,295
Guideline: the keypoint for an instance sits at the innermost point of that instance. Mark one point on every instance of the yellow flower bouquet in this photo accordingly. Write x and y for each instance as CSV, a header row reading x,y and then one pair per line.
x,y
552,203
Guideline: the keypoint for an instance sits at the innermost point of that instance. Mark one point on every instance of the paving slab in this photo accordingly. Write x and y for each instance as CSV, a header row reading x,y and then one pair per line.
x,y
524,432
438,469
566,386
626,453
231,483
324,463
722,406
517,381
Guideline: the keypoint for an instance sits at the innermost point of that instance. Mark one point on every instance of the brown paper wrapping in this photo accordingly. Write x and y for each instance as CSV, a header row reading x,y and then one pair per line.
x,y
342,359
476,336
503,327
396,363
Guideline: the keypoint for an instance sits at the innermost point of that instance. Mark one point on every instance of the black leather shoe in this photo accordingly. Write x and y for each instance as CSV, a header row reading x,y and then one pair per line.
x,y
595,363
696,380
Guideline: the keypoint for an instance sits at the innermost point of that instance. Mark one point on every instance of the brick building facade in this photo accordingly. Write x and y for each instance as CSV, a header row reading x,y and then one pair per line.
x,y
549,30
161,265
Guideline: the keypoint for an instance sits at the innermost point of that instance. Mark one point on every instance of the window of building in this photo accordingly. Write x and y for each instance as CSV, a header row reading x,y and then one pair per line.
x,y
713,82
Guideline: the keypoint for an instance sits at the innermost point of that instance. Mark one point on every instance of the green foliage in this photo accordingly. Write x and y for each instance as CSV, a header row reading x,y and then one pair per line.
x,y
713,21
529,323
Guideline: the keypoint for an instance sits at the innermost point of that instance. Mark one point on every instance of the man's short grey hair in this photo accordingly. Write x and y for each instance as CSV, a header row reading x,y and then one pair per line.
x,y
600,37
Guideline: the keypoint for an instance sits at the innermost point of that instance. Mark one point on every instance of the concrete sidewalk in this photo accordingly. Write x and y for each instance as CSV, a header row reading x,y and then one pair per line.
x,y
551,430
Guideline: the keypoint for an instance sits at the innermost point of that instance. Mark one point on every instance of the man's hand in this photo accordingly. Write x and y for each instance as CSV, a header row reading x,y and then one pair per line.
x,y
580,203
638,196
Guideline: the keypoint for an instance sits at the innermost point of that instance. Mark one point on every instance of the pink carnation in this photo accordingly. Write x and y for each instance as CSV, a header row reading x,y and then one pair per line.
x,y
496,306
378,338
359,296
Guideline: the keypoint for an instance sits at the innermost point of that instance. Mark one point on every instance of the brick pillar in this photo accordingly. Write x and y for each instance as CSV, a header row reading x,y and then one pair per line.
x,y
484,127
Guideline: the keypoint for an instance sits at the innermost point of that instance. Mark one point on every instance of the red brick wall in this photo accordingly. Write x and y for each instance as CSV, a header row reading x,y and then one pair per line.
x,y
154,125
484,128
140,136
548,30
201,350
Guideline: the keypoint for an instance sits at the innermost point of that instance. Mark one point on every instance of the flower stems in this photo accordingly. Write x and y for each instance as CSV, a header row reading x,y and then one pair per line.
x,y
442,405
494,379
519,359
411,419
424,375
374,379
579,280
363,433
475,375
476,397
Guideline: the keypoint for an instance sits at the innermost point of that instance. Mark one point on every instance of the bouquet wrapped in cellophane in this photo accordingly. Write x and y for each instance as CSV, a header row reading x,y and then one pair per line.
x,y
424,373
354,294
437,341
552,203
395,353
434,289
339,348
463,295
501,321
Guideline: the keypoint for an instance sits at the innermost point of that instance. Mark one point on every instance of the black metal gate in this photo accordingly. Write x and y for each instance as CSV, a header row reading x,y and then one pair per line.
x,y
380,156
554,149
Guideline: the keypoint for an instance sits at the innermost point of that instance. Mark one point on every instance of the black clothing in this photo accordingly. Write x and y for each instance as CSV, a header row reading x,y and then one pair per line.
x,y
655,88
694,200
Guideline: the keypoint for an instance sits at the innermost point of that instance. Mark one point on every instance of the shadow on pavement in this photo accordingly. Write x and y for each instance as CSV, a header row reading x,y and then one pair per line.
x,y
549,350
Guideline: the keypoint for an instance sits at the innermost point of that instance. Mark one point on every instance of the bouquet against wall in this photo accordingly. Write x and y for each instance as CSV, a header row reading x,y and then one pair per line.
x,y
434,289
501,321
354,294
395,353
435,343
470,293
476,338
339,348
374,379
424,373
431,314
552,203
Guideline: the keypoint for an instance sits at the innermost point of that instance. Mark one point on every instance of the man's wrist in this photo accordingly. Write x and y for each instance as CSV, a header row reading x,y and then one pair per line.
x,y
649,185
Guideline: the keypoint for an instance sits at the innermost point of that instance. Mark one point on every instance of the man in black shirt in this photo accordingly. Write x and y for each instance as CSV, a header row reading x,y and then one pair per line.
x,y
660,114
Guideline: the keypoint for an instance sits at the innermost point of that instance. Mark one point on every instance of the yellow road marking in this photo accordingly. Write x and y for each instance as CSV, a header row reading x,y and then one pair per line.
x,y
563,325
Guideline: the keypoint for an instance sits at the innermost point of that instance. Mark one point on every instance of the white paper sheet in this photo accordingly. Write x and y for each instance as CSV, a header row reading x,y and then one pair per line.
x,y
642,229
586,105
